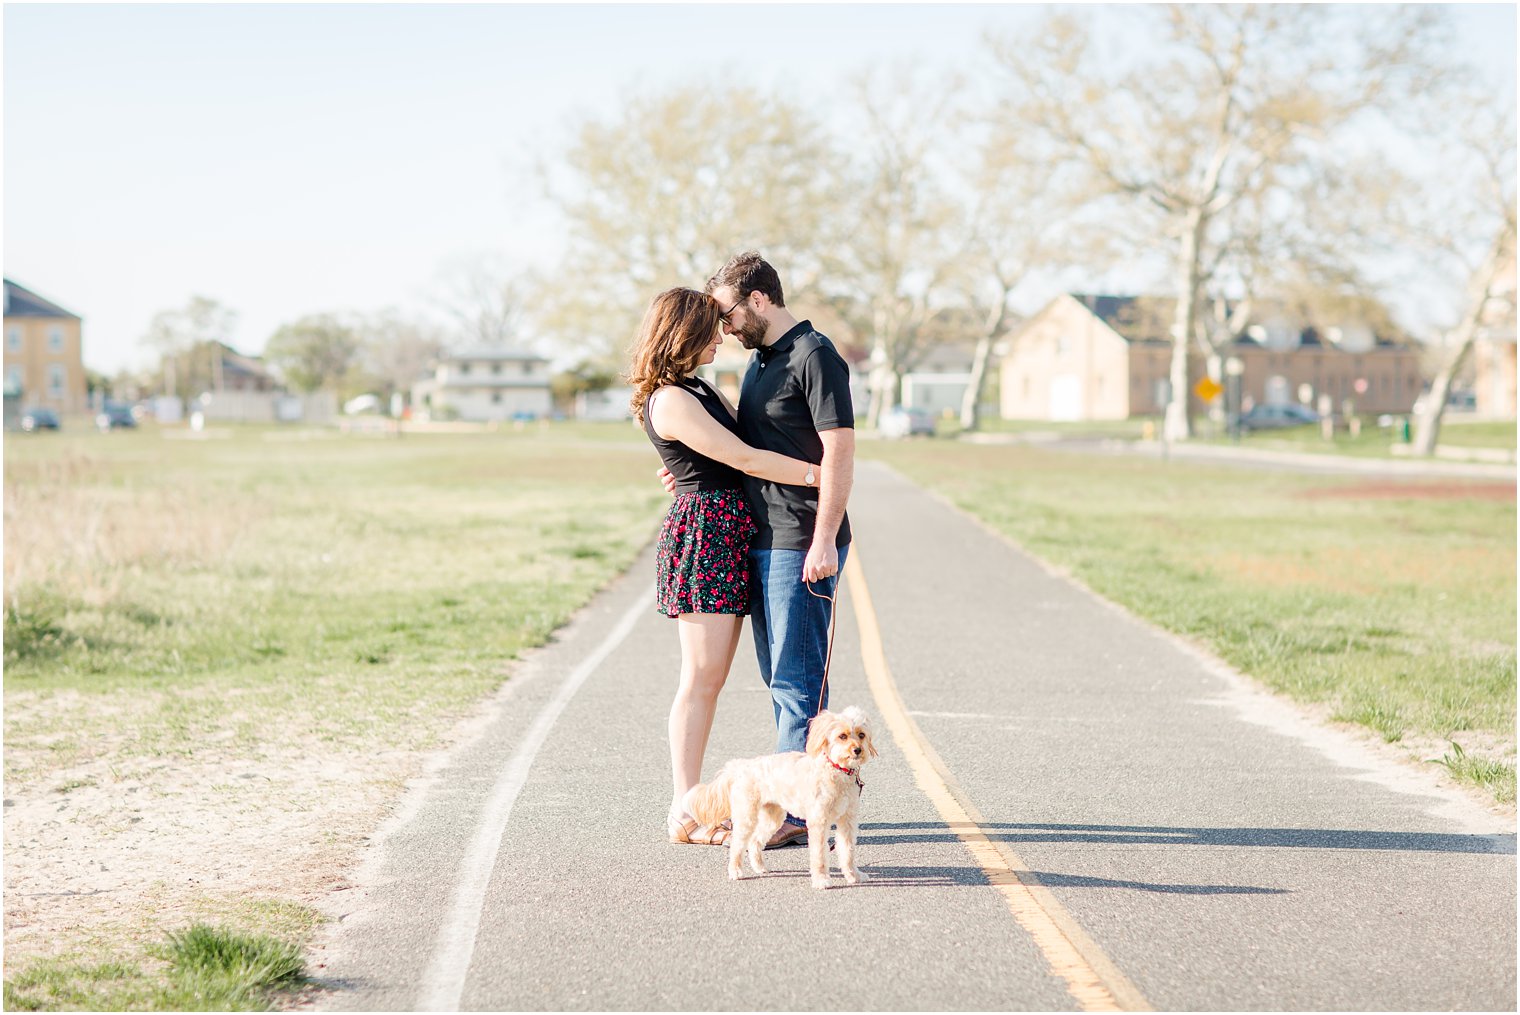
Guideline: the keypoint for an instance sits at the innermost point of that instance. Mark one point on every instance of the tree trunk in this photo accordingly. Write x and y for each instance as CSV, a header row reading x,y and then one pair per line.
x,y
971,401
878,380
1428,423
1178,425
1214,363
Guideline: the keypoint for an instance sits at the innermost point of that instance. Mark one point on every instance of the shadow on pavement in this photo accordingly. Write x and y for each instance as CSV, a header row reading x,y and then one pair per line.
x,y
1073,881
1294,838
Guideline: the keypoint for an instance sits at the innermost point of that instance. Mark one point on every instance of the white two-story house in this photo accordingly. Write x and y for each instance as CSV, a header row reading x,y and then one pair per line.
x,y
485,384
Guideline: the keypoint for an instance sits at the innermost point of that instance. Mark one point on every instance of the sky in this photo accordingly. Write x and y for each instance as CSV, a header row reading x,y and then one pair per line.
x,y
297,159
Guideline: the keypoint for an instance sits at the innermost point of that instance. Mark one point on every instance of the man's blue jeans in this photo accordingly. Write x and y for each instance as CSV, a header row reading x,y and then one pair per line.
x,y
791,628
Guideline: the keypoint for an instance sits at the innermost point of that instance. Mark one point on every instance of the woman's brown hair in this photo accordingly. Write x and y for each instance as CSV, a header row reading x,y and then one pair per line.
x,y
677,329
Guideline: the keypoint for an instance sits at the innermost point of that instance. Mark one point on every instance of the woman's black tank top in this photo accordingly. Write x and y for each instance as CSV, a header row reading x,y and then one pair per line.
x,y
692,471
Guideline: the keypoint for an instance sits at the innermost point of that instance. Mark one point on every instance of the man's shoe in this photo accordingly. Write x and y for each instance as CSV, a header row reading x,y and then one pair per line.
x,y
787,834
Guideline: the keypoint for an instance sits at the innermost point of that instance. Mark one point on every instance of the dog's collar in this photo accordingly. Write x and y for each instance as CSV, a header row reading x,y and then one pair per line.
x,y
846,771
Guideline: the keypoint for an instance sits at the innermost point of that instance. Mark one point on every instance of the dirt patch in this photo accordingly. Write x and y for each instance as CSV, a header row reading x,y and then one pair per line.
x,y
148,844
1413,491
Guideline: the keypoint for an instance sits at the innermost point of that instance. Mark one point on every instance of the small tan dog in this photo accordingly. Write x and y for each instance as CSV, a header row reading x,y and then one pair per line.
x,y
820,785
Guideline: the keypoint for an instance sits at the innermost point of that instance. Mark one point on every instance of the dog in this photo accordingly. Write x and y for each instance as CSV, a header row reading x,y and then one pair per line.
x,y
820,784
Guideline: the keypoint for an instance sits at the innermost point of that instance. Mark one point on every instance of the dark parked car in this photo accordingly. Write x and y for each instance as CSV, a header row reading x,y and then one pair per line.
x,y
38,418
115,414
1276,417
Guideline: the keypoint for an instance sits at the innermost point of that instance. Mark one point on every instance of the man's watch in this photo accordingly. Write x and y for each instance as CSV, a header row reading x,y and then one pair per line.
x,y
810,478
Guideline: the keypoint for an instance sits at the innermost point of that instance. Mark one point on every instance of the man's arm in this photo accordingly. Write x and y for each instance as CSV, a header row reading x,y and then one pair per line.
x,y
836,477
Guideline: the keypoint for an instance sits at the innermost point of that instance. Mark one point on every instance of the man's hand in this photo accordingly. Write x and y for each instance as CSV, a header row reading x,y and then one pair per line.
x,y
822,562
667,480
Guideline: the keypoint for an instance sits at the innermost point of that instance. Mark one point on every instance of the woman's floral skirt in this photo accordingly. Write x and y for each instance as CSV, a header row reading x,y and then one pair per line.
x,y
703,554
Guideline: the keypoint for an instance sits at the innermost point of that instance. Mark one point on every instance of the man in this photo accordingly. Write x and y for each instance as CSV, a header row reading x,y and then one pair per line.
x,y
794,400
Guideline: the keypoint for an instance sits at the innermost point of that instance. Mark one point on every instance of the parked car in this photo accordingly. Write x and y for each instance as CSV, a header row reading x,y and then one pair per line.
x,y
901,422
362,404
114,415
1277,417
38,418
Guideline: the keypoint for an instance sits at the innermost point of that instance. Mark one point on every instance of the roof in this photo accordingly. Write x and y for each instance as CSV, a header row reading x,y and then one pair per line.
x,y
488,353
1148,319
1133,318
22,302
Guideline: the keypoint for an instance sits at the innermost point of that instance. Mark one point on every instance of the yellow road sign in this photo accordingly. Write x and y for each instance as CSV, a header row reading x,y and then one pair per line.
x,y
1207,389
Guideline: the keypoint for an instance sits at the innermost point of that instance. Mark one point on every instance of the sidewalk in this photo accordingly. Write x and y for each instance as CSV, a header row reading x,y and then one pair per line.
x,y
1211,849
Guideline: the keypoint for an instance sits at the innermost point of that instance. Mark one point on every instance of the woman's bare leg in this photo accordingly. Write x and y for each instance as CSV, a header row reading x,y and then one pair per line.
x,y
708,643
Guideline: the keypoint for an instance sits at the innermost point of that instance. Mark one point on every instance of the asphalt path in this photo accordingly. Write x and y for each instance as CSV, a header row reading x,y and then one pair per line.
x,y
1072,811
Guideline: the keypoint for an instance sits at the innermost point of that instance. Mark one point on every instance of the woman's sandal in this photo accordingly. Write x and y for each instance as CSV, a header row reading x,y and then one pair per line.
x,y
692,834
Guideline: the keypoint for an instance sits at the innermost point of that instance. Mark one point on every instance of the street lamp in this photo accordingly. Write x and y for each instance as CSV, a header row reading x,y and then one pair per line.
x,y
1234,368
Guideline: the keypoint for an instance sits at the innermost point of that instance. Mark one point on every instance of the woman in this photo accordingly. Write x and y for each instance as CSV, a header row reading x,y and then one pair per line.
x,y
703,552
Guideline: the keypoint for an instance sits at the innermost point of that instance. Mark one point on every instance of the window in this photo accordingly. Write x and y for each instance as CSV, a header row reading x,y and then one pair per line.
x,y
13,379
1062,345
464,368
55,340
496,398
527,369
13,339
495,368
55,378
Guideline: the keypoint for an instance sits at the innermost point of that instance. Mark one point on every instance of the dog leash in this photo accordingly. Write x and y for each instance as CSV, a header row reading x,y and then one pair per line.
x,y
829,656
828,659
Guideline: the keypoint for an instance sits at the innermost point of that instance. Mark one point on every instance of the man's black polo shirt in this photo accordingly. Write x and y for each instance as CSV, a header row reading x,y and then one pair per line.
x,y
795,387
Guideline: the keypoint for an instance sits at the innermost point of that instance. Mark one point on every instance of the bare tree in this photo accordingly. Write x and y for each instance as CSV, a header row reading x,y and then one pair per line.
x,y
395,350
188,341
1235,101
896,274
1027,216
483,300
667,190
1471,236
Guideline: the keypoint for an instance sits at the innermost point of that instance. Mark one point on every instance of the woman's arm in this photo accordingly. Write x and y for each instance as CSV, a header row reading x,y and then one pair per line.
x,y
678,416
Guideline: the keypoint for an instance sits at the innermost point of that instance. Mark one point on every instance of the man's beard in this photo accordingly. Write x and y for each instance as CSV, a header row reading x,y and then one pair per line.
x,y
750,332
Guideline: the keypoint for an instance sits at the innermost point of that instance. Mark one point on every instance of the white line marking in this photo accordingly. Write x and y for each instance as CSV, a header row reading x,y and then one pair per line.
x,y
443,983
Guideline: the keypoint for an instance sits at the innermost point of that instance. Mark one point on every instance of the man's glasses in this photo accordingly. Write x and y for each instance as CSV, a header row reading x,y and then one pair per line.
x,y
724,316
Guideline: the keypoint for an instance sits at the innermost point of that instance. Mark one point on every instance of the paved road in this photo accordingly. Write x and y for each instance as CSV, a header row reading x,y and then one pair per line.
x,y
1072,811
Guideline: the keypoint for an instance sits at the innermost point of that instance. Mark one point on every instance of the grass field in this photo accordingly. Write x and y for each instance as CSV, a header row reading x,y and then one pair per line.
x,y
1378,442
388,575
206,605
1373,441
1391,605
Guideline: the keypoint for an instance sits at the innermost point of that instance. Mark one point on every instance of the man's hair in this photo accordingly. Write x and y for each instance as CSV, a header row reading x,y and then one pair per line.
x,y
746,273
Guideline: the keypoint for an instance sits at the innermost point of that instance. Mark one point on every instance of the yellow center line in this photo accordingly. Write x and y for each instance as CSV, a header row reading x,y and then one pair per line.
x,y
1090,976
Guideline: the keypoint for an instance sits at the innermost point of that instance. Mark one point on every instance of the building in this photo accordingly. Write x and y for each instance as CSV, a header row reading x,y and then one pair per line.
x,y
937,383
482,385
235,371
44,354
1089,357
